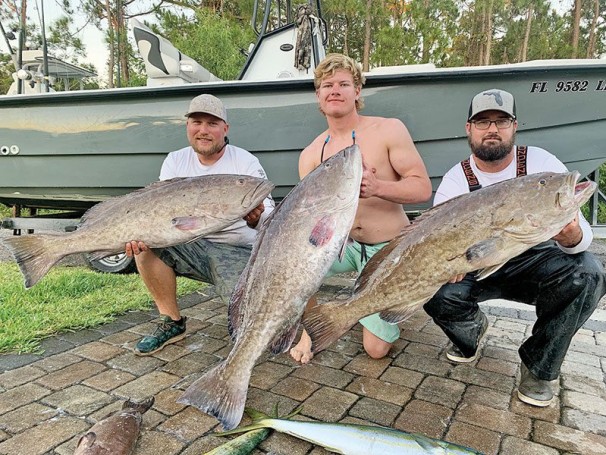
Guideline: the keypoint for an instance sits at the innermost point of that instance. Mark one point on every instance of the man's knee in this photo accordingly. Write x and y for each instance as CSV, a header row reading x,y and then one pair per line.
x,y
450,292
374,346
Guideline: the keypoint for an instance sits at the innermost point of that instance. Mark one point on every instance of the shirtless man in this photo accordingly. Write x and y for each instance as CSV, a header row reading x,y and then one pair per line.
x,y
394,174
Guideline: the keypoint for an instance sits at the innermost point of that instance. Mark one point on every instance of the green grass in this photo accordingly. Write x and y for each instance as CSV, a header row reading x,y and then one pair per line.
x,y
67,299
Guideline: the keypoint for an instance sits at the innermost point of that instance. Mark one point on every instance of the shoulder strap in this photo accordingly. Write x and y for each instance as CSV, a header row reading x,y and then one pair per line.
x,y
472,180
521,152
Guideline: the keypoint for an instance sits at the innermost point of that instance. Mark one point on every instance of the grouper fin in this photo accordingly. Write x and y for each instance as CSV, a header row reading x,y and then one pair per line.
x,y
220,395
283,341
34,255
374,263
479,255
141,407
87,440
190,223
323,231
348,241
484,273
234,311
400,313
322,325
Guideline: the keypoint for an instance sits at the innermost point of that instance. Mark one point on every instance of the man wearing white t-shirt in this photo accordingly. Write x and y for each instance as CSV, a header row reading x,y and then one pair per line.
x,y
559,277
217,259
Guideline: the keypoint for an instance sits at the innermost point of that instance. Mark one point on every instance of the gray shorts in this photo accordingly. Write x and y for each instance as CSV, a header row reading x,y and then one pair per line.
x,y
215,263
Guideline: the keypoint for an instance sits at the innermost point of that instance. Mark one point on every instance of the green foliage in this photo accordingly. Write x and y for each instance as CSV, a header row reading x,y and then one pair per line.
x,y
215,41
67,299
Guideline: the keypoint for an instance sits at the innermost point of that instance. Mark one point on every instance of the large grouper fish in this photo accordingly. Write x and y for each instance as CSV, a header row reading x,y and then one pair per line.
x,y
162,214
294,250
481,231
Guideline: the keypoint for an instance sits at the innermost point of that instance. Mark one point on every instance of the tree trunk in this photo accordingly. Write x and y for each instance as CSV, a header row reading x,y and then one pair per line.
x,y
366,56
524,53
112,51
488,46
592,30
575,28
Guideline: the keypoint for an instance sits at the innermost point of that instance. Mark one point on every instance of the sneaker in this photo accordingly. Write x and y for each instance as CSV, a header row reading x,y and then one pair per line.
x,y
455,355
532,390
167,332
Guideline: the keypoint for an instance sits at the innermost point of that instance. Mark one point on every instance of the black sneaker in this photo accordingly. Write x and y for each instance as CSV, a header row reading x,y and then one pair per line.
x,y
455,355
167,332
533,390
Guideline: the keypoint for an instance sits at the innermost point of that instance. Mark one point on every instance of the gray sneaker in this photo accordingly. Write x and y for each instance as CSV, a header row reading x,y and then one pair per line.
x,y
455,355
167,332
533,390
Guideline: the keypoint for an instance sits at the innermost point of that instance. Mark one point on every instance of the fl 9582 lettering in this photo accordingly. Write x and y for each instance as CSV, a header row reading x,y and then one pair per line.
x,y
573,85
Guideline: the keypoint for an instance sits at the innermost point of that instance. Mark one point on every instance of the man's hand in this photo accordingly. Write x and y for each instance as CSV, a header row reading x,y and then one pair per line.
x,y
370,182
135,247
571,235
252,219
457,278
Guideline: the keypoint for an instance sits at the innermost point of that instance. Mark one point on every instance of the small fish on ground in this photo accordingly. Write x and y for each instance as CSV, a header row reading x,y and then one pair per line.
x,y
351,439
294,250
116,434
162,214
246,443
481,230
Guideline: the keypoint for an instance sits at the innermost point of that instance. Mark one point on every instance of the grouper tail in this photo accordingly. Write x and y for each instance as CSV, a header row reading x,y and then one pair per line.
x,y
34,255
324,324
219,394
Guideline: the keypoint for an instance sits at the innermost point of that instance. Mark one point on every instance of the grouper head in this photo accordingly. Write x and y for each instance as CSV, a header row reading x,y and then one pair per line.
x,y
252,192
537,206
338,177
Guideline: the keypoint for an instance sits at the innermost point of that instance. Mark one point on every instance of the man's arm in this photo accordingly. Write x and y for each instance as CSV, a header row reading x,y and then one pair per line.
x,y
414,184
576,236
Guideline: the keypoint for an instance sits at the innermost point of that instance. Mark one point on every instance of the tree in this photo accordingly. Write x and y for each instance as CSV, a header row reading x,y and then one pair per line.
x,y
575,28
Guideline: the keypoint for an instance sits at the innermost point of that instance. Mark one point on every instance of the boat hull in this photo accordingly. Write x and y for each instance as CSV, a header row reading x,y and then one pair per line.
x,y
72,150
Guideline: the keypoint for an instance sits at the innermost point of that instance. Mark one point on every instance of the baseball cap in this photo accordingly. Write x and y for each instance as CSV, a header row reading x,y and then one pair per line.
x,y
207,104
492,100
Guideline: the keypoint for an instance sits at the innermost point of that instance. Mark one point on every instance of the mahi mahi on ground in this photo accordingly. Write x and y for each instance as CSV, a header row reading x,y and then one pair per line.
x,y
162,214
293,252
116,434
481,230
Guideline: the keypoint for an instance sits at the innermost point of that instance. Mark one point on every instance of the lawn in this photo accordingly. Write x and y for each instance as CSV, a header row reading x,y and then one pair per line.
x,y
67,299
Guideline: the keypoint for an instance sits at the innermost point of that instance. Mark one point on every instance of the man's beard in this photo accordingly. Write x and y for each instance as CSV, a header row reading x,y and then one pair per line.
x,y
216,148
489,152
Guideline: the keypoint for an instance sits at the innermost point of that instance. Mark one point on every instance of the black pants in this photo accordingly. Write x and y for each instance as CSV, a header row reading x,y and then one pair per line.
x,y
565,290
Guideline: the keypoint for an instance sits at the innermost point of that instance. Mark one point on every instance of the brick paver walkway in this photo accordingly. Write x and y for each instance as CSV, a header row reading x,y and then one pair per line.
x,y
47,401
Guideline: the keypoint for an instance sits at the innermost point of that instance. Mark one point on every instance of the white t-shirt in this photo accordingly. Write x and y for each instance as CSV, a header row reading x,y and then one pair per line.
x,y
538,160
235,160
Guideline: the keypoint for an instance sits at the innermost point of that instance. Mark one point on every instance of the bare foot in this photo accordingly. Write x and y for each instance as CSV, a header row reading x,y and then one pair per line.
x,y
302,351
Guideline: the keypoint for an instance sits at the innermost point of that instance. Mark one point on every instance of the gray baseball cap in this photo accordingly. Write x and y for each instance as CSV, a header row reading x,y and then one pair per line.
x,y
207,104
492,100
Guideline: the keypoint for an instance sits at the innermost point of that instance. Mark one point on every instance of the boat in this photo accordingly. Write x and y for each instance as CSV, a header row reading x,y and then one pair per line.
x,y
71,150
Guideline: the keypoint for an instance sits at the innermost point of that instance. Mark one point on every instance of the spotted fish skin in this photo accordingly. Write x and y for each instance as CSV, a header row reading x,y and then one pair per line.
x,y
294,250
116,434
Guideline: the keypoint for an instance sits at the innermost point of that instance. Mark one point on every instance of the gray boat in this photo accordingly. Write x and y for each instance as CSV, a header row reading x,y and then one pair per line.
x,y
70,150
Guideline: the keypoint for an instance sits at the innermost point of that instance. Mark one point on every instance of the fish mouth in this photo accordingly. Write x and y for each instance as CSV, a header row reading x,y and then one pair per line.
x,y
583,190
254,197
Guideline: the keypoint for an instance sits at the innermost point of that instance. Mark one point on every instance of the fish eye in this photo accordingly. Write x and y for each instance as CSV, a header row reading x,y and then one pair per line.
x,y
542,182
